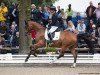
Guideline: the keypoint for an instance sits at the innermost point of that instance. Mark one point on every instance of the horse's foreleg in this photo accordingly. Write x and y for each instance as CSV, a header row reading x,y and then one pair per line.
x,y
28,56
32,52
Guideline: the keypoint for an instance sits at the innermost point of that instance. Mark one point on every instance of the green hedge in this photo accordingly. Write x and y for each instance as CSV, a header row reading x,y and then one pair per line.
x,y
50,49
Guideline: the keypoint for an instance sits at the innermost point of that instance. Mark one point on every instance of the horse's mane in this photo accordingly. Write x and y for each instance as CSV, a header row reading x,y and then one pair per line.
x,y
37,25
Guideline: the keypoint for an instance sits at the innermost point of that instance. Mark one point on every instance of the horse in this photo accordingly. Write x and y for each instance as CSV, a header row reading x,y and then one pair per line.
x,y
67,40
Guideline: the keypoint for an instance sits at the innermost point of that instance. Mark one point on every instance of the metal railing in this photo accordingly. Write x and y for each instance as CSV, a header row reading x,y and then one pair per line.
x,y
47,58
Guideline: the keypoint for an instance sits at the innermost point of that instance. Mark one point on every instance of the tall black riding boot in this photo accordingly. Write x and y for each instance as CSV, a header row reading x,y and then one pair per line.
x,y
50,38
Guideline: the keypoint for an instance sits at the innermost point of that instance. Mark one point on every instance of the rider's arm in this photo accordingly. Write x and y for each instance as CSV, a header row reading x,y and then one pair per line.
x,y
54,19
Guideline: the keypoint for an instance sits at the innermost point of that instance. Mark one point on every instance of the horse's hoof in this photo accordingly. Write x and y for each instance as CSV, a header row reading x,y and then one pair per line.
x,y
35,55
74,65
26,60
50,62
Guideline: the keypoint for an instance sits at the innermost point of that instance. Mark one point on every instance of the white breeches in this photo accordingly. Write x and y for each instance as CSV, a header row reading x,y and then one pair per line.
x,y
52,29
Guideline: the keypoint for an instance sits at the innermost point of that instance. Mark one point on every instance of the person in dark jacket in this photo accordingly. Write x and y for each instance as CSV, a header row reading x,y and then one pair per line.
x,y
93,31
17,39
13,13
34,13
90,13
13,35
59,10
40,13
4,30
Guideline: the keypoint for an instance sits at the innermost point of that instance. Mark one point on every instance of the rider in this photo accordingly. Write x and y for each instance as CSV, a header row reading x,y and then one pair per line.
x,y
54,23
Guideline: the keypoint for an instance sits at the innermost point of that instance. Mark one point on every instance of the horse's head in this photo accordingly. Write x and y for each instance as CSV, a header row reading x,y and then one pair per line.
x,y
33,26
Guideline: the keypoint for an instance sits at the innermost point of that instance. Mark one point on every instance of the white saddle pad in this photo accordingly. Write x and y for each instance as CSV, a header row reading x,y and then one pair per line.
x,y
56,37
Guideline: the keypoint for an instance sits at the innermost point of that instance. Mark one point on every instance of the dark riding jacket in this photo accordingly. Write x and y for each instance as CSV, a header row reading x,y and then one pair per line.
x,y
55,21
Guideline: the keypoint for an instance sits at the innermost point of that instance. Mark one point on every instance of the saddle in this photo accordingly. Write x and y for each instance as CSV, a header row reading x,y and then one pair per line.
x,y
55,35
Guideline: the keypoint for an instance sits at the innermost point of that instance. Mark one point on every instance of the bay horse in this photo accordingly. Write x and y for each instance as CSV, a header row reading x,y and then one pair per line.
x,y
67,40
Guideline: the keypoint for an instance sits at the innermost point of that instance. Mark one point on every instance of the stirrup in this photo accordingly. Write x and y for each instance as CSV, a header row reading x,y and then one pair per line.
x,y
50,44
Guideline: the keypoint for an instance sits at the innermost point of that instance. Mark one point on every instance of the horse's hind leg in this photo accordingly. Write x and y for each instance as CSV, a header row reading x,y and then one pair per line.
x,y
73,51
62,51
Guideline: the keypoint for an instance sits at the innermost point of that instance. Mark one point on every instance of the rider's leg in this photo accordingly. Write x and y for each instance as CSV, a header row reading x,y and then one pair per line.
x,y
51,31
50,38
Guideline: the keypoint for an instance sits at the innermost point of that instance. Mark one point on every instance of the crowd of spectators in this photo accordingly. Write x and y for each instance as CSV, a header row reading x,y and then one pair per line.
x,y
9,22
9,25
89,23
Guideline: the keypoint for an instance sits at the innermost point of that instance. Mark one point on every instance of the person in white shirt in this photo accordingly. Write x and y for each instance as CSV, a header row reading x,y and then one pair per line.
x,y
81,27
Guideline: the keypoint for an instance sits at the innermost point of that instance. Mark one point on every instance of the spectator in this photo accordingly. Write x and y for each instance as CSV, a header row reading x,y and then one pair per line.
x,y
3,12
63,15
45,16
2,41
81,27
13,13
71,26
13,35
59,10
83,35
34,13
90,12
17,39
77,18
40,14
95,34
16,26
89,27
97,11
69,13
4,30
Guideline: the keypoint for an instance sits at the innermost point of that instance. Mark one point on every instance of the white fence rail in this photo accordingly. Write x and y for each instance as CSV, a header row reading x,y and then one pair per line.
x,y
15,59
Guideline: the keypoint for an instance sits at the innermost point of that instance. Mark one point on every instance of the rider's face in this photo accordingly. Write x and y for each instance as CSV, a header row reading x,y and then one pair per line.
x,y
52,11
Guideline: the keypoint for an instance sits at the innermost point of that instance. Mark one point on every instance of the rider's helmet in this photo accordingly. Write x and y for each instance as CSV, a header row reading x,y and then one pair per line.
x,y
53,8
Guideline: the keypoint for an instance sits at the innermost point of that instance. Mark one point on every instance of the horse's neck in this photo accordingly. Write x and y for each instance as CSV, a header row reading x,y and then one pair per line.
x,y
40,31
37,27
